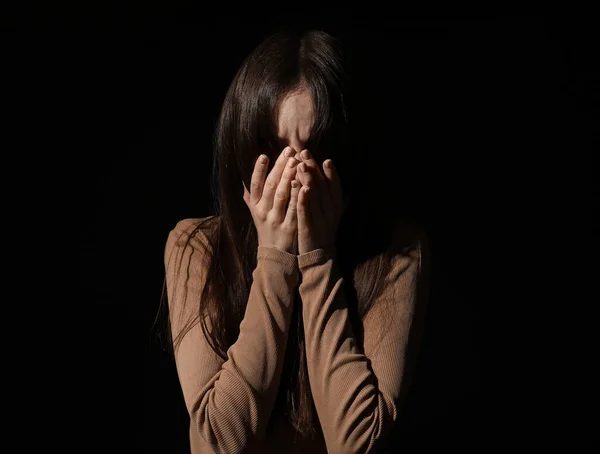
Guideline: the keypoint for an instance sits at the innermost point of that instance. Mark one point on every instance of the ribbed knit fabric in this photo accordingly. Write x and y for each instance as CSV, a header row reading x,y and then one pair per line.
x,y
230,402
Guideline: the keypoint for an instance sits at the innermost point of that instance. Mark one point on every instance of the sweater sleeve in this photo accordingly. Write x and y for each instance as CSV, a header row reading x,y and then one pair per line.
x,y
230,402
356,394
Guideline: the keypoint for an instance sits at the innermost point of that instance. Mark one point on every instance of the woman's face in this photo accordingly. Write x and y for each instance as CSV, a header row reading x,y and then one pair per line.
x,y
296,118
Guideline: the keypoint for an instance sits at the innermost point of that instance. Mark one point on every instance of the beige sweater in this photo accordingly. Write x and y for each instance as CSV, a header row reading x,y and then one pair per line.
x,y
356,395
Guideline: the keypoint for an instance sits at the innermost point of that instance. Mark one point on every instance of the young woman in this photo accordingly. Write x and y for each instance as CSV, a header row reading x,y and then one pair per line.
x,y
290,319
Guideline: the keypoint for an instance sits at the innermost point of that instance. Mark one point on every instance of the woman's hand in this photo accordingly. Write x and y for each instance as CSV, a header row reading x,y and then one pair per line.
x,y
275,220
319,204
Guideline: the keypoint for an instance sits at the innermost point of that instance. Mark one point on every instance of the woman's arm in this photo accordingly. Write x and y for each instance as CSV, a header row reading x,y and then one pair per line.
x,y
230,401
356,395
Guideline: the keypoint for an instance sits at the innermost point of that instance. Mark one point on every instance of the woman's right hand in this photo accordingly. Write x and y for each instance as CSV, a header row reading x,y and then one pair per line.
x,y
275,220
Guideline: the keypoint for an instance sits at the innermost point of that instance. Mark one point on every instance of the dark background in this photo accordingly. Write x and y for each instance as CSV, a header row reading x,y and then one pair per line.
x,y
484,132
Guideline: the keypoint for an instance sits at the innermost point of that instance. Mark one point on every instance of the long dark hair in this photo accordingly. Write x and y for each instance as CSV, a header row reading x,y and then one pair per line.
x,y
284,61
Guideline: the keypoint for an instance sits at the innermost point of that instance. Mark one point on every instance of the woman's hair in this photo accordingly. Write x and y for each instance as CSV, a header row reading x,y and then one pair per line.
x,y
286,60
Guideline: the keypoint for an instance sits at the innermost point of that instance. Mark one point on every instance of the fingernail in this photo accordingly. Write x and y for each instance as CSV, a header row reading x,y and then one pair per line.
x,y
263,158
329,164
306,154
289,152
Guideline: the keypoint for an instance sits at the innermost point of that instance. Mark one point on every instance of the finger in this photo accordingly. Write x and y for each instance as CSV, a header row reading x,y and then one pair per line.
x,y
258,178
310,161
274,176
303,211
323,200
335,185
283,189
292,211
307,178
304,175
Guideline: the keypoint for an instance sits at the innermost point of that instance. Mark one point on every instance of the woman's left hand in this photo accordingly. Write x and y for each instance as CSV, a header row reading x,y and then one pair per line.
x,y
319,209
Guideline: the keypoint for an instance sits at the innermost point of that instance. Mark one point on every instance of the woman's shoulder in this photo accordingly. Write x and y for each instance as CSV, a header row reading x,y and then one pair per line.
x,y
401,247
410,246
192,232
409,238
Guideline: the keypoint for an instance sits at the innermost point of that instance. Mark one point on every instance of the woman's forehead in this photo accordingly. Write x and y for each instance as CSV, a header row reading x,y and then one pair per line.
x,y
296,118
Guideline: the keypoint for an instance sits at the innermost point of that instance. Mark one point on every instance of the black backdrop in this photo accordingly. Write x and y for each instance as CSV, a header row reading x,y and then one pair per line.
x,y
483,129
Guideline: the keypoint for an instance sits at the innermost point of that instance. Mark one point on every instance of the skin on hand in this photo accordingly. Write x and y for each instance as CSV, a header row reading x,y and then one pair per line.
x,y
320,207
274,218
